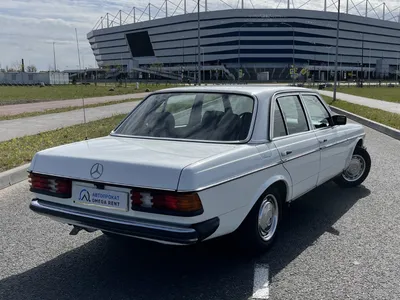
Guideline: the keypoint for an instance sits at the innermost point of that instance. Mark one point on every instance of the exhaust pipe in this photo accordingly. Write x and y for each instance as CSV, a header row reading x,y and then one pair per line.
x,y
75,230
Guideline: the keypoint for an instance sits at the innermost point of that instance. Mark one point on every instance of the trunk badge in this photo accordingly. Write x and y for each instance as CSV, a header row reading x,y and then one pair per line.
x,y
96,171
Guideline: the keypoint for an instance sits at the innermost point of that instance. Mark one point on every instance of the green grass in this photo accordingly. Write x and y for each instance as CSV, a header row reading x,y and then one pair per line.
x,y
63,109
377,115
29,94
374,92
18,151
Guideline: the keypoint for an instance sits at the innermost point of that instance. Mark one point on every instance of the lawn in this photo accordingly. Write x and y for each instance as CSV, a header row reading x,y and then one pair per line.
x,y
374,92
28,94
18,151
377,115
63,109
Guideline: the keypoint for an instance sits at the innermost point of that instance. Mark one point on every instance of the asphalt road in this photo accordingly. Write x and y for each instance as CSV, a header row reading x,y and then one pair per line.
x,y
335,244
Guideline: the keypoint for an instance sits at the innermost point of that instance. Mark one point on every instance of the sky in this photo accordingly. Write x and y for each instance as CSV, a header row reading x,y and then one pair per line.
x,y
28,28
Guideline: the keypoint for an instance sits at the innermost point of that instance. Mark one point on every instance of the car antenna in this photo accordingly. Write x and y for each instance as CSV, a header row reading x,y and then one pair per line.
x,y
83,98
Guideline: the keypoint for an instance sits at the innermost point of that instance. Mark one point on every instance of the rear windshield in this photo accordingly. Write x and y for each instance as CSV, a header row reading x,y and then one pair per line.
x,y
194,116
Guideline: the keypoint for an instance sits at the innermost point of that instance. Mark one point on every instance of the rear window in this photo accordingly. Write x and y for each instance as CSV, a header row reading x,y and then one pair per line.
x,y
192,116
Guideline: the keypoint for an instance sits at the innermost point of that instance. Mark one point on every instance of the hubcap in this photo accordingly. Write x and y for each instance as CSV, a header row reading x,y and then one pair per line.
x,y
268,217
355,169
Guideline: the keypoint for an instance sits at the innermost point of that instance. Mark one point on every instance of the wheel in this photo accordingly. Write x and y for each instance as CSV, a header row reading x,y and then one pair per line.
x,y
357,171
259,230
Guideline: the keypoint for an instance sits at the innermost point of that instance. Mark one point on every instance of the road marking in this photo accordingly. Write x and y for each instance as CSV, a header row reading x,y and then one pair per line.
x,y
261,282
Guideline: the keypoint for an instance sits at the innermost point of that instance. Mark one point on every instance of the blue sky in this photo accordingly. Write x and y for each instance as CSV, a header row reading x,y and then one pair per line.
x,y
28,28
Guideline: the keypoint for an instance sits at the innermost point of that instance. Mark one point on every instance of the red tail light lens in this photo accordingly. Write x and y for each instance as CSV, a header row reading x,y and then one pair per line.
x,y
53,186
175,203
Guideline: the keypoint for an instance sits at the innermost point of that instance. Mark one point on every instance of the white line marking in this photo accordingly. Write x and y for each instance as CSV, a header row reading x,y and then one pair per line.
x,y
261,282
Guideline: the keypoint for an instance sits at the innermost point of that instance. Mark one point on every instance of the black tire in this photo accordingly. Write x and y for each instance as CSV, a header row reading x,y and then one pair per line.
x,y
345,183
248,235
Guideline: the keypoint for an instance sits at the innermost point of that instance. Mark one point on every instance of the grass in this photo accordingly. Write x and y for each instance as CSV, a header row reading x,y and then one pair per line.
x,y
374,92
377,115
62,109
29,94
18,151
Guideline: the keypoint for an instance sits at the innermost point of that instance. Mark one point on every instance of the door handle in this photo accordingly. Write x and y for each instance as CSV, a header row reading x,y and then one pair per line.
x,y
323,141
287,152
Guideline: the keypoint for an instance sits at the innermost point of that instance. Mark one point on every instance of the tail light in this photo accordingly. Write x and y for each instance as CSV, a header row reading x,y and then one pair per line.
x,y
167,203
53,186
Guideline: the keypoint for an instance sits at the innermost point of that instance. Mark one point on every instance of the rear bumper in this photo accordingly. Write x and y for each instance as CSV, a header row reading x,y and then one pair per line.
x,y
158,231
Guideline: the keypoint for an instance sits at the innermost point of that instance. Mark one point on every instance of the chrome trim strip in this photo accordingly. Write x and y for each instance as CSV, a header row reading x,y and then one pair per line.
x,y
105,182
301,155
202,188
147,225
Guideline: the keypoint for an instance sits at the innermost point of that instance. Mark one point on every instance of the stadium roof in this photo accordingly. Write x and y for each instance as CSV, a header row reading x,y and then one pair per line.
x,y
367,8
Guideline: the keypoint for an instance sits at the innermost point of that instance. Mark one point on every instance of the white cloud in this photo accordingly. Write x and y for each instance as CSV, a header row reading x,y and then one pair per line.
x,y
28,28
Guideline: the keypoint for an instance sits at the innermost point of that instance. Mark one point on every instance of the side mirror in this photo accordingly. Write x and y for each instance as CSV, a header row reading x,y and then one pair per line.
x,y
339,120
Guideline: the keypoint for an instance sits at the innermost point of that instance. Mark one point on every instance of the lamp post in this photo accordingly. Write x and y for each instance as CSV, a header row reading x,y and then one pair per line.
x,y
362,59
198,44
337,51
293,62
204,72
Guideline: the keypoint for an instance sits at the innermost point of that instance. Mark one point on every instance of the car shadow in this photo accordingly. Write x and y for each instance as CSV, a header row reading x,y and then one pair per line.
x,y
107,269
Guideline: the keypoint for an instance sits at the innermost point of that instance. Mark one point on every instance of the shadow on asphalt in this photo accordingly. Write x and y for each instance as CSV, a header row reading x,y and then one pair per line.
x,y
106,269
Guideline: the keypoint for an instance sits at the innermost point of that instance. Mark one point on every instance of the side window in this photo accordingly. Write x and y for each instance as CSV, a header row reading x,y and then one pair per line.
x,y
279,124
293,114
318,113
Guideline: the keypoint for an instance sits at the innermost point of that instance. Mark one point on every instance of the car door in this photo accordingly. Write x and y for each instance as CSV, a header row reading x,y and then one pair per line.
x,y
329,137
296,143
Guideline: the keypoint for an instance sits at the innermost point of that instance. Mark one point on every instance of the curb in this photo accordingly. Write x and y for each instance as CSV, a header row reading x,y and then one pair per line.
x,y
13,176
392,132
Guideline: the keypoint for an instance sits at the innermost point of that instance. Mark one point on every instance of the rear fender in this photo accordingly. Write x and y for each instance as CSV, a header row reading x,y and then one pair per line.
x,y
270,182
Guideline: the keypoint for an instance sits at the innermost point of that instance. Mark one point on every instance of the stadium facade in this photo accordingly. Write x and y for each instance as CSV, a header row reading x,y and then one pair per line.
x,y
251,44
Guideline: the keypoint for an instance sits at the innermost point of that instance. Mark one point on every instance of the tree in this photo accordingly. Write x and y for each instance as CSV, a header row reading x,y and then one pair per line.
x,y
31,68
16,66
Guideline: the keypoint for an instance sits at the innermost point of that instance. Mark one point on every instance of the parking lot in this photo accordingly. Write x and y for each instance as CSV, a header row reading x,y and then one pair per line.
x,y
335,244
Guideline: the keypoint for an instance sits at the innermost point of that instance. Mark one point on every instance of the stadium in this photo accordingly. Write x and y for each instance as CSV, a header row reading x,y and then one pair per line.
x,y
249,43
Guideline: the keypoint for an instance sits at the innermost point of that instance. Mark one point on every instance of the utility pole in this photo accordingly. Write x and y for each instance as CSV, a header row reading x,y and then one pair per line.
x,y
362,58
54,54
337,51
198,44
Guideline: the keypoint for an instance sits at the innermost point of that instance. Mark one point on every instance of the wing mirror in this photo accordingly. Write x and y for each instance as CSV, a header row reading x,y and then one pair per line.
x,y
339,120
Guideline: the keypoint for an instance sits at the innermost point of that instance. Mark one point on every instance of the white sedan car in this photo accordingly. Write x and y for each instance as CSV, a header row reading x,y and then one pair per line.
x,y
194,163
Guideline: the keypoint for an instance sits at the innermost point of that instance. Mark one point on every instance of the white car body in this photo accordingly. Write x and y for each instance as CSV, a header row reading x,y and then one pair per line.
x,y
229,178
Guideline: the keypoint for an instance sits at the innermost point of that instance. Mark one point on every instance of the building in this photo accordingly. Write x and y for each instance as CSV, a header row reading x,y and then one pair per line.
x,y
250,44
27,78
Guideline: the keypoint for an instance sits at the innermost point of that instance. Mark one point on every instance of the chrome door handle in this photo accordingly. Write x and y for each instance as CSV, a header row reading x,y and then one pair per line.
x,y
287,152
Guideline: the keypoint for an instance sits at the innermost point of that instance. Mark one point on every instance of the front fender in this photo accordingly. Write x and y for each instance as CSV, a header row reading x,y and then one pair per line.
x,y
352,147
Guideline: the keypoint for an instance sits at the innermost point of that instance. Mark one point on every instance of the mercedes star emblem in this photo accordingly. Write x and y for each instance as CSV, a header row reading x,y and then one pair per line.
x,y
96,171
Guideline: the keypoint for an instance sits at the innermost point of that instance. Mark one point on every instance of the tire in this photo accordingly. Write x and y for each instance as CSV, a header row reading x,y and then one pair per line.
x,y
360,156
250,234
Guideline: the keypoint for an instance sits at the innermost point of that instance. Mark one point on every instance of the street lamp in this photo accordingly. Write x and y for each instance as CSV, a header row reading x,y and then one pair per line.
x,y
204,73
293,63
198,43
337,51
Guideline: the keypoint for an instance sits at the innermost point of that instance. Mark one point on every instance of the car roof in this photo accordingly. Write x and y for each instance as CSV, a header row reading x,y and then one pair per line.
x,y
259,90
